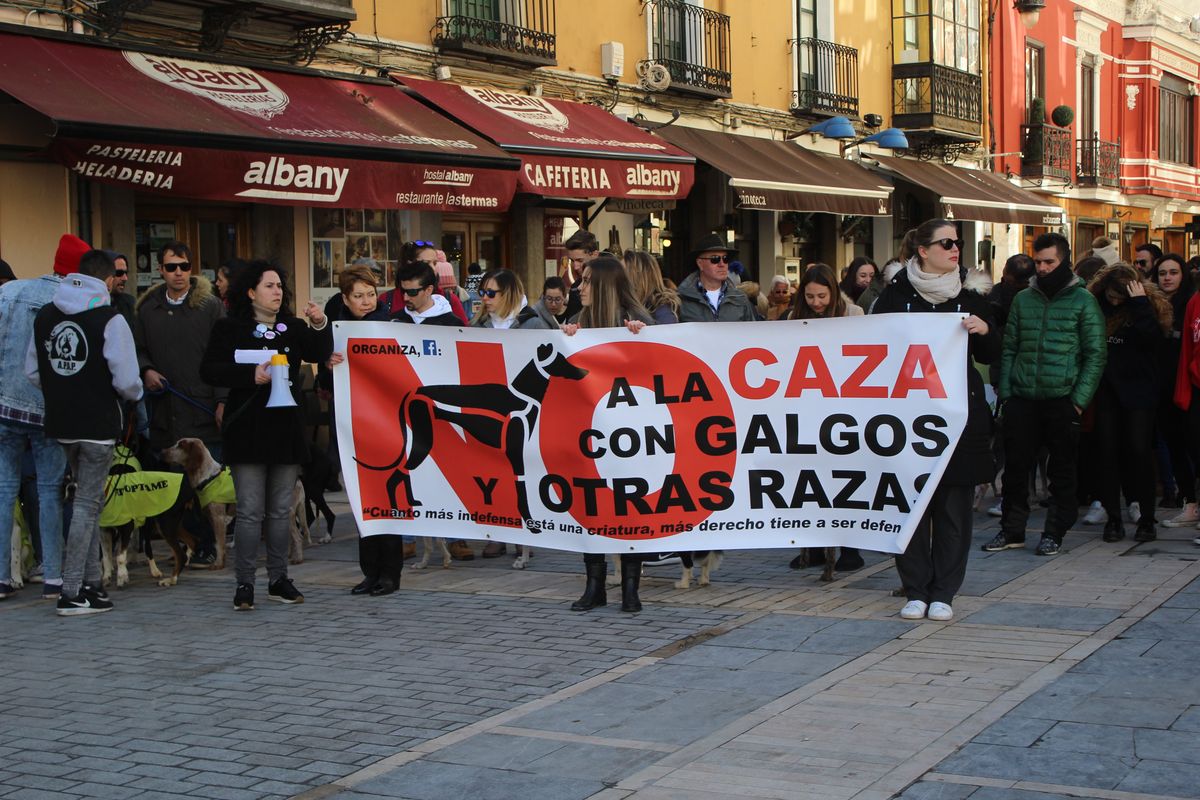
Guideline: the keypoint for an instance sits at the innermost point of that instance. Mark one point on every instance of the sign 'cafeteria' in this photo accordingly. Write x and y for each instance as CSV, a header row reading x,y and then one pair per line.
x,y
287,179
682,437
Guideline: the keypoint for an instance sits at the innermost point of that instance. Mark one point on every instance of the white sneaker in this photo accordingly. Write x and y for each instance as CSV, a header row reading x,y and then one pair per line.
x,y
996,510
1096,514
913,609
1186,518
1134,512
1196,540
941,612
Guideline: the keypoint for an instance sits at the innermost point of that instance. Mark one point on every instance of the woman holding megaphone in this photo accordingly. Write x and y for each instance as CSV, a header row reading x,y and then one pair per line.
x,y
256,352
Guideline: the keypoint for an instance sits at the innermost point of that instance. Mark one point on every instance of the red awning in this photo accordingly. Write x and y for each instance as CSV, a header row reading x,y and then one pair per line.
x,y
567,149
217,131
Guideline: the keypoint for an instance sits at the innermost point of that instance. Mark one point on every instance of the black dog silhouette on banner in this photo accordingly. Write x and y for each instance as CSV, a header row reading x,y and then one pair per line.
x,y
497,415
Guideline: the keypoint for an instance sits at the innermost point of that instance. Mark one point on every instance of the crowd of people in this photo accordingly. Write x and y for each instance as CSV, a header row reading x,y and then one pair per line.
x,y
1094,369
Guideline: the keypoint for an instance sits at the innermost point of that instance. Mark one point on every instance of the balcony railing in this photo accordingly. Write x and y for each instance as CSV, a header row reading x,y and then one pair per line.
x,y
1047,151
692,42
1099,163
828,78
521,31
932,96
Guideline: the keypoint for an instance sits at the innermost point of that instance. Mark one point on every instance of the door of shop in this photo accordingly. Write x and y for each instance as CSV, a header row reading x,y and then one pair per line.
x,y
214,233
474,241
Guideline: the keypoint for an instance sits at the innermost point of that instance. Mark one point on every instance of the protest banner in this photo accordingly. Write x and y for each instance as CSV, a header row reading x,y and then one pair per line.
x,y
679,438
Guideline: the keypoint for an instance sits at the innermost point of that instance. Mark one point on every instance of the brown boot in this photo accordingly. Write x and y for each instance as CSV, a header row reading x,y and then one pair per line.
x,y
493,549
459,551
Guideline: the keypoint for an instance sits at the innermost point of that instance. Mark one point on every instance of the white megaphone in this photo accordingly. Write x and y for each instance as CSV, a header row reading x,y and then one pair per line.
x,y
281,387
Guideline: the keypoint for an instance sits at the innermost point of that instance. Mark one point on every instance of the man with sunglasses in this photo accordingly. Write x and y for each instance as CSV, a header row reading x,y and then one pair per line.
x,y
1053,355
173,323
122,301
423,304
708,294
1145,257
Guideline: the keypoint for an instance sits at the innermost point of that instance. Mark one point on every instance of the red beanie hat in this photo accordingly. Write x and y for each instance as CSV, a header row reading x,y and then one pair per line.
x,y
70,250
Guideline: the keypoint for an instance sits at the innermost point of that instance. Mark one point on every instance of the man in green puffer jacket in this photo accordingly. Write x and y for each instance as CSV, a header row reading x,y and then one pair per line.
x,y
1050,366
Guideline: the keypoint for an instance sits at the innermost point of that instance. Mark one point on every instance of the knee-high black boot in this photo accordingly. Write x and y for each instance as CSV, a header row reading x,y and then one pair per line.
x,y
631,578
594,592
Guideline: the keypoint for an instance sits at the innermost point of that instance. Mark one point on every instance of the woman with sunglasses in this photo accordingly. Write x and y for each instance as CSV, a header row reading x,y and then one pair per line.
x,y
934,565
503,303
648,286
264,446
609,301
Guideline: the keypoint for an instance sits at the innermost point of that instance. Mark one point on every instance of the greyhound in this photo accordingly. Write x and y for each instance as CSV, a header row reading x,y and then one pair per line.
x,y
498,415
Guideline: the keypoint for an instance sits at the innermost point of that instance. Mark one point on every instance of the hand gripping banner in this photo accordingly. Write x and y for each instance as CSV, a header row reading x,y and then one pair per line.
x,y
682,437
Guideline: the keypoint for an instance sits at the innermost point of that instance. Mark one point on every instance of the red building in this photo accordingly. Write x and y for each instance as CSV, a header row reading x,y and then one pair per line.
x,y
1094,104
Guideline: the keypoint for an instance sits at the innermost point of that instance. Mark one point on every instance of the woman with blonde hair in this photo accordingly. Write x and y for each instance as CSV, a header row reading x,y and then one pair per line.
x,y
503,303
819,296
648,286
609,301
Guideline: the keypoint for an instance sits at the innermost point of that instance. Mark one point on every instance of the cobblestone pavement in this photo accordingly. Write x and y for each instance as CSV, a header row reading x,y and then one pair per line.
x,y
1075,676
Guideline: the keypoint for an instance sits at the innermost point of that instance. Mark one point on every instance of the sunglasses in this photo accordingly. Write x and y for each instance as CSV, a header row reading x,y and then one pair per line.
x,y
415,292
716,259
489,293
420,243
948,244
181,265
121,273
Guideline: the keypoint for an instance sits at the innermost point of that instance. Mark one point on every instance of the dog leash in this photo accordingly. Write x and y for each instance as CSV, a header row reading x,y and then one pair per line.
x,y
167,387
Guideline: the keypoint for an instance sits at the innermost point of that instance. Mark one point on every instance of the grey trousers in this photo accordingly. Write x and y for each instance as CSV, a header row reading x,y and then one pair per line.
x,y
89,464
264,504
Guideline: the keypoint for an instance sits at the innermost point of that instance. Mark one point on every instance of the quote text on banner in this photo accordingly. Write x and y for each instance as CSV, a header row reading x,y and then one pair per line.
x,y
679,438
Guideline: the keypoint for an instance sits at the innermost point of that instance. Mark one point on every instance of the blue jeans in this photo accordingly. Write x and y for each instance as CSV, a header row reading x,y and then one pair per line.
x,y
264,505
51,463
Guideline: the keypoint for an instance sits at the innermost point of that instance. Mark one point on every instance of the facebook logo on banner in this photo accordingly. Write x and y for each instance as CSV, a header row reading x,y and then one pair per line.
x,y
429,348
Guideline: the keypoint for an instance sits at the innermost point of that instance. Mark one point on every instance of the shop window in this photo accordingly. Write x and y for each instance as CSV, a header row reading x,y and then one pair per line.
x,y
340,236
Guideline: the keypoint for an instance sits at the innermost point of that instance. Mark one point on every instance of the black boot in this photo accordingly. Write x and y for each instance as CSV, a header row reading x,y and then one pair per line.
x,y
1145,531
631,578
1114,530
594,592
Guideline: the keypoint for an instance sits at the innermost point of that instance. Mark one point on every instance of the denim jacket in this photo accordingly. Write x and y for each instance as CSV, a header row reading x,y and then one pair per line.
x,y
20,400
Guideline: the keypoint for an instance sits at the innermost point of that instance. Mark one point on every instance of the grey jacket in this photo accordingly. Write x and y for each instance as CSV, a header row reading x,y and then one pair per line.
x,y
694,307
171,340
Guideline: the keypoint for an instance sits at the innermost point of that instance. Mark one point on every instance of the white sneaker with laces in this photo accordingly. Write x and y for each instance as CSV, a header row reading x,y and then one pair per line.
x,y
996,510
1186,518
913,609
941,612
1096,514
1134,512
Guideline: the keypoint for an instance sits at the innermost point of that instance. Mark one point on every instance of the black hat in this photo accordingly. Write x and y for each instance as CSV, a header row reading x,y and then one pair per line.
x,y
711,242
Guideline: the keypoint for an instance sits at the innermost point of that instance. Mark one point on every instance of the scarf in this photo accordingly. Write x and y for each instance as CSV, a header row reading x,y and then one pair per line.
x,y
935,289
1053,283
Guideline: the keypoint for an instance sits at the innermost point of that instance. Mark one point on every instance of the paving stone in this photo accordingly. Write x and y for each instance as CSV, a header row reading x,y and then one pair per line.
x,y
1037,764
1030,615
1174,745
1188,720
993,793
1109,740
1170,778
498,751
429,781
937,790
1014,731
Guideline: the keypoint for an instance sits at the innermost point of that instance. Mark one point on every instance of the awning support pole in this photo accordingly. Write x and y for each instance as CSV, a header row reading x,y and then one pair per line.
x,y
588,219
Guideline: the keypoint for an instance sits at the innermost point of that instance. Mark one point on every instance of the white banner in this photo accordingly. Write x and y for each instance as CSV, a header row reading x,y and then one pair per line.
x,y
680,438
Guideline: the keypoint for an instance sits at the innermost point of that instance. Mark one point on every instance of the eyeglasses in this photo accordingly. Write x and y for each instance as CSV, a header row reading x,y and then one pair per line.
x,y
716,259
553,300
121,273
489,293
948,244
415,292
178,265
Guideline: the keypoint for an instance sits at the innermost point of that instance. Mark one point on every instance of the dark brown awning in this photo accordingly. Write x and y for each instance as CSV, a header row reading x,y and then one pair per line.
x,y
974,193
782,176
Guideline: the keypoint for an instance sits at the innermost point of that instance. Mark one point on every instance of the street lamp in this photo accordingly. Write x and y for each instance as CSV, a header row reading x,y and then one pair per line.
x,y
833,128
1029,10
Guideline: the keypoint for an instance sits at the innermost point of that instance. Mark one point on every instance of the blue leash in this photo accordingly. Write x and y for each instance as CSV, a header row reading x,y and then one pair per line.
x,y
167,387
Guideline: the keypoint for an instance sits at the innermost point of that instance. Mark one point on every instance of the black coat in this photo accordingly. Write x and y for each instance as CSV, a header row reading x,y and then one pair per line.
x,y
253,433
1134,350
972,462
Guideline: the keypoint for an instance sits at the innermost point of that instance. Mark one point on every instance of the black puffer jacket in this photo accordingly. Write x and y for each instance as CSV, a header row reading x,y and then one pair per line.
x,y
972,462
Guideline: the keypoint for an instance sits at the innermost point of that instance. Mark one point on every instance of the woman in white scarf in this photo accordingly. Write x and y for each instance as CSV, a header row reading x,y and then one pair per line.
x,y
503,303
934,565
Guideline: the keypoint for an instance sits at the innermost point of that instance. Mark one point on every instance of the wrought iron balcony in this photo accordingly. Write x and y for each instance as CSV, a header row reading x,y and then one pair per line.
x,y
940,99
828,78
1099,163
692,42
1047,151
520,31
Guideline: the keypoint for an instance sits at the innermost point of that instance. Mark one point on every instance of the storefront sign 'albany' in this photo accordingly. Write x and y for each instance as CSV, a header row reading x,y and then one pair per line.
x,y
684,437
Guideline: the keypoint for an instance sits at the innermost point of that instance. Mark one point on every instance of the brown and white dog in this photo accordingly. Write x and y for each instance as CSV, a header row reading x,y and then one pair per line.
x,y
199,467
169,526
707,560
